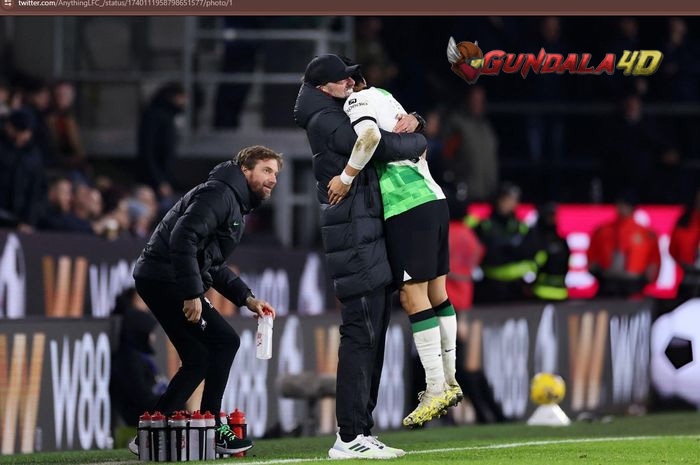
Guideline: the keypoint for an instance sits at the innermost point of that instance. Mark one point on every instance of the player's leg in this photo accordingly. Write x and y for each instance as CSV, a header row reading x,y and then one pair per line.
x,y
426,332
412,246
447,321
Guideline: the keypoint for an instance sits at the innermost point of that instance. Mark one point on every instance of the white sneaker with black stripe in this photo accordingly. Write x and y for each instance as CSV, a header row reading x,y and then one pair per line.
x,y
359,448
394,450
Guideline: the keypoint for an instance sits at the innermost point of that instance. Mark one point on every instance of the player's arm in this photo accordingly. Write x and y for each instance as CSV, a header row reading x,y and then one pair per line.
x,y
368,138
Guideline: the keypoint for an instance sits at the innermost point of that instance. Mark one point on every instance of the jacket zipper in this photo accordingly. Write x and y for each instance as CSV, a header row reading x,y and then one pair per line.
x,y
368,321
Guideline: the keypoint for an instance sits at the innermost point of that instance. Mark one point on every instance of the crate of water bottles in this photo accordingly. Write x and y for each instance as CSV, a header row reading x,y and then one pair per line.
x,y
184,436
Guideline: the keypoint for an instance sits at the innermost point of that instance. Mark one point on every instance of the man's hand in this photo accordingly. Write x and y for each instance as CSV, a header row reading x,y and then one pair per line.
x,y
260,307
406,123
337,190
193,310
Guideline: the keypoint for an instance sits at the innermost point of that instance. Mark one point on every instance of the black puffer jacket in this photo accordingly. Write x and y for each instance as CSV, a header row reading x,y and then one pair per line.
x,y
352,231
192,243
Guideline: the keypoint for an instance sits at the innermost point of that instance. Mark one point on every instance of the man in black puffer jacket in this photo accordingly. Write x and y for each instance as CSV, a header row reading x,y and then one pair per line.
x,y
353,239
187,255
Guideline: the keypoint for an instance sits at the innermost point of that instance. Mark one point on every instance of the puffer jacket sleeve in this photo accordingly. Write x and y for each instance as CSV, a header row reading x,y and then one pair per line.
x,y
395,147
392,146
230,285
206,211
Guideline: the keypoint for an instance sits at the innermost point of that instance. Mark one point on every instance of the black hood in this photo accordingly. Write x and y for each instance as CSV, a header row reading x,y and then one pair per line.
x,y
310,101
230,174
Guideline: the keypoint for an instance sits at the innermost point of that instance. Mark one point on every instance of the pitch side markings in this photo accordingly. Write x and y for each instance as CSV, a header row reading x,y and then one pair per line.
x,y
511,445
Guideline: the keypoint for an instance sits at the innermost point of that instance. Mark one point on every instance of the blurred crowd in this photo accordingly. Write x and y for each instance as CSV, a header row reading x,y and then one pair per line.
x,y
46,181
499,257
561,138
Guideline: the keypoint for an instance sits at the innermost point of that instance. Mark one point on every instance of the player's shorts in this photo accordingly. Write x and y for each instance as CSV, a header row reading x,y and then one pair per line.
x,y
417,242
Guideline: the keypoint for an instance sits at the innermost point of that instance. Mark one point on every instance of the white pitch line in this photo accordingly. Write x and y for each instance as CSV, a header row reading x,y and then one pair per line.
x,y
511,445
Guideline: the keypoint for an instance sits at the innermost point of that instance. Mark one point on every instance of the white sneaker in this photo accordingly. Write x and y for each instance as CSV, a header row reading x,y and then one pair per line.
x,y
358,448
375,440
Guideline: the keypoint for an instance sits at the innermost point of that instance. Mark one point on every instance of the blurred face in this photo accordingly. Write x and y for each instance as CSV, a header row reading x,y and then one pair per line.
x,y
508,203
20,138
64,94
624,209
147,196
42,99
339,89
82,196
180,100
263,177
61,195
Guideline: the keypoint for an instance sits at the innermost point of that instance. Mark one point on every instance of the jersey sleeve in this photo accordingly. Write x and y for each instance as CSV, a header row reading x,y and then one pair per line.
x,y
396,105
358,107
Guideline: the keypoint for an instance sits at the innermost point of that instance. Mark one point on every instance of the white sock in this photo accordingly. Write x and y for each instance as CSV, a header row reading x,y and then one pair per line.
x,y
448,341
427,338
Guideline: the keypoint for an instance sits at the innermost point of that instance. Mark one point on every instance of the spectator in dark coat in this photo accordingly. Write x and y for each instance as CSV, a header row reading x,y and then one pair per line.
x,y
22,181
157,138
58,216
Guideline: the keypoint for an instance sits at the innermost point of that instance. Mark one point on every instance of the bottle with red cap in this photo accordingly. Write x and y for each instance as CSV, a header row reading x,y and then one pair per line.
x,y
239,427
144,435
178,437
210,449
196,436
160,437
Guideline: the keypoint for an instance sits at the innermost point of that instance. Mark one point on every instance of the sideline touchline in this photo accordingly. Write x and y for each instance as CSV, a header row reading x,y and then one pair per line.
x,y
492,446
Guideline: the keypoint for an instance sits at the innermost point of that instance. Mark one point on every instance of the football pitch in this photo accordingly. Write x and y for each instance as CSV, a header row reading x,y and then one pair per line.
x,y
653,439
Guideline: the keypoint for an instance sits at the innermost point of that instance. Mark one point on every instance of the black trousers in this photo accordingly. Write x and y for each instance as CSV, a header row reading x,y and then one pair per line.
x,y
206,354
360,360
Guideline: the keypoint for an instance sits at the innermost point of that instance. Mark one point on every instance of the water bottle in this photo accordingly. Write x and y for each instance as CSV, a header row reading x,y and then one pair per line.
x,y
236,422
178,437
144,435
263,338
210,449
160,437
196,437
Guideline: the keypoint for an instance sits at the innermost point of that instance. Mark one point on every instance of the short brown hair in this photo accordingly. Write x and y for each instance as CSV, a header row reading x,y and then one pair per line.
x,y
250,156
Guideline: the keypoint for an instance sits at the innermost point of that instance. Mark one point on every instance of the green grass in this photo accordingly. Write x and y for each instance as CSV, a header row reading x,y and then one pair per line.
x,y
654,439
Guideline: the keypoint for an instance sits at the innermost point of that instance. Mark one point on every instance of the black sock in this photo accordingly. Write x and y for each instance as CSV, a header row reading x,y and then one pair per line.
x,y
347,437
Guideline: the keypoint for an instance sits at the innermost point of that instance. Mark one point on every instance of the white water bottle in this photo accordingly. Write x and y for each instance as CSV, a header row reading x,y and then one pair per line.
x,y
159,444
196,437
263,338
144,434
178,437
210,440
